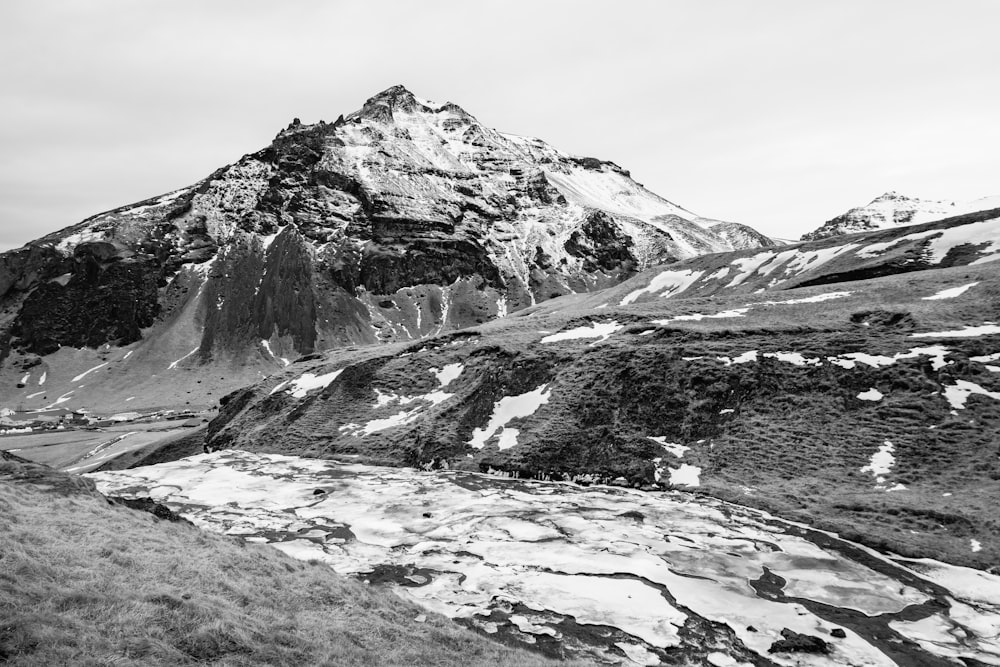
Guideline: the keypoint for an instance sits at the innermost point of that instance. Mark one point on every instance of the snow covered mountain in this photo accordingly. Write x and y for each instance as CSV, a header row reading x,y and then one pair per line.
x,y
892,210
403,219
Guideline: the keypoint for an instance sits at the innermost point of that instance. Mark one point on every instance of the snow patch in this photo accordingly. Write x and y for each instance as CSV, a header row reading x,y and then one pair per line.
x,y
876,249
818,298
508,408
446,375
794,358
666,283
671,447
87,372
309,381
278,387
744,358
601,330
747,266
950,293
872,394
686,475
737,312
62,399
266,241
967,331
881,462
958,393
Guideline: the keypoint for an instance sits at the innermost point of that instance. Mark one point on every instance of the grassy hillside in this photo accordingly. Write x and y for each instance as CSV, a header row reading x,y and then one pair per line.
x,y
83,582
771,395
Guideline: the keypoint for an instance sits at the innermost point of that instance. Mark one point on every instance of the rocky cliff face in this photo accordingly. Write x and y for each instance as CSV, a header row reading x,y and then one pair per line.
x,y
893,210
403,219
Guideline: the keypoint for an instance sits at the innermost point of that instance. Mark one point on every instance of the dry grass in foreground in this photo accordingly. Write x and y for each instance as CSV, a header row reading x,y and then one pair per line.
x,y
86,583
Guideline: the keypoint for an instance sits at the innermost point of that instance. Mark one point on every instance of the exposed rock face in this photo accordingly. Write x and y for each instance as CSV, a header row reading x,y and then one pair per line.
x,y
104,298
893,210
403,219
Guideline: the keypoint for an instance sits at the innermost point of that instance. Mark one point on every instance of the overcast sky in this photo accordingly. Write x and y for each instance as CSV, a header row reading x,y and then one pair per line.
x,y
775,113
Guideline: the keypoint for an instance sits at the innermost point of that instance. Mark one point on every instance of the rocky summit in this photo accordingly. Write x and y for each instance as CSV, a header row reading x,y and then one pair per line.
x,y
401,220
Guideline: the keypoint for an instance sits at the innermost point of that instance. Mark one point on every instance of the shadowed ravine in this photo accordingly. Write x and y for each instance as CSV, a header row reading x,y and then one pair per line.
x,y
603,573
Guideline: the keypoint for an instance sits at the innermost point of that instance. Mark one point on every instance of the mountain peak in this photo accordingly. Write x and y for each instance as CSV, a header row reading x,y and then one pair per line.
x,y
381,106
398,96
891,195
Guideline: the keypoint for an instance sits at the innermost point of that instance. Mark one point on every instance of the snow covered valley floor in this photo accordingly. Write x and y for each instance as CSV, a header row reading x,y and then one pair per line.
x,y
613,575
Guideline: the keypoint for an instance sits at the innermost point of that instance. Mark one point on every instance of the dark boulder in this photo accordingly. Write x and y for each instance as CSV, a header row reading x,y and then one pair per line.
x,y
159,510
795,642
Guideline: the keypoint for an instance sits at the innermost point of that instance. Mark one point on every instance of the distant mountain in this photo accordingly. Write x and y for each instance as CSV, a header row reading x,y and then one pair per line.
x,y
892,210
403,219
742,237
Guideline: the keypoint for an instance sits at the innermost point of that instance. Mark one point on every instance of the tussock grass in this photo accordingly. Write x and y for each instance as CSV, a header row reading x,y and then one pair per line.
x,y
83,582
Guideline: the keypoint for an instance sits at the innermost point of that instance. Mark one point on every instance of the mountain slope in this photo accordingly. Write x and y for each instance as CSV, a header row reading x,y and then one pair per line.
x,y
893,210
401,220
779,398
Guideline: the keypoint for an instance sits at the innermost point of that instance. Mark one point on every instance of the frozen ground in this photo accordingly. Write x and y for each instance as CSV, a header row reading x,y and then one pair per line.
x,y
603,573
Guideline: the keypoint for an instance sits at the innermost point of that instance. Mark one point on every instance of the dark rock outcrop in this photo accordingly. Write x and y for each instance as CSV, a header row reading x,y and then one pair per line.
x,y
159,510
795,642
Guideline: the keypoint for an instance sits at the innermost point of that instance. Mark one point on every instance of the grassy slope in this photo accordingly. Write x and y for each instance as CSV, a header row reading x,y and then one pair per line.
x,y
795,442
83,582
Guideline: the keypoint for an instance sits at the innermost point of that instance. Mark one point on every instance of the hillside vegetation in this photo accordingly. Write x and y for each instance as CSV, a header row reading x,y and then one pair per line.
x,y
782,401
85,582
